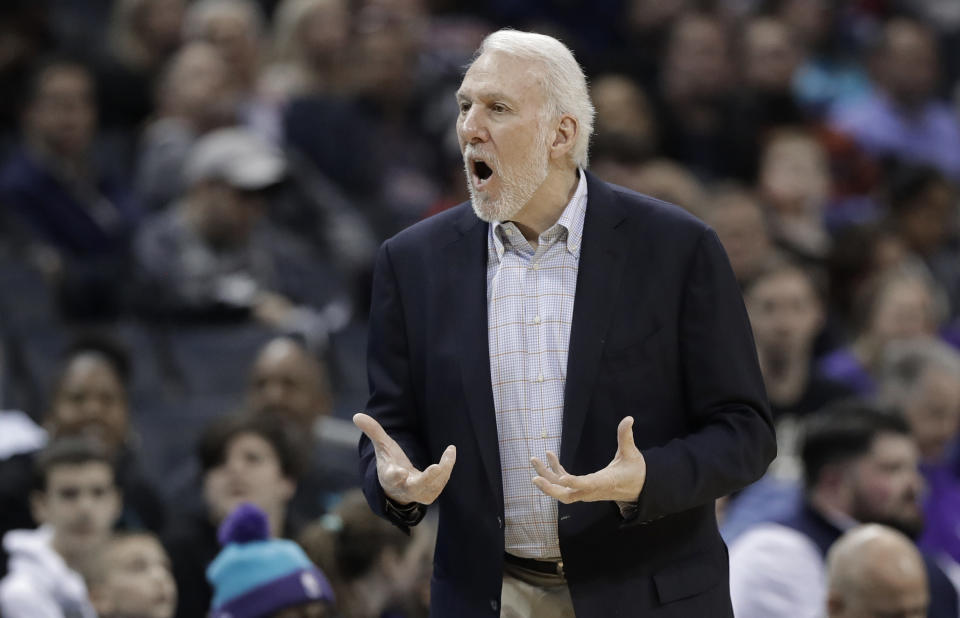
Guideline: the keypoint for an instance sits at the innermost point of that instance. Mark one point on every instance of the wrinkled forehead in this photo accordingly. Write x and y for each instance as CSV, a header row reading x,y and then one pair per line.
x,y
499,73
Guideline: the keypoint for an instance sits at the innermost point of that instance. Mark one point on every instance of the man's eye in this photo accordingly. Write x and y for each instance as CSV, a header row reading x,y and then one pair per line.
x,y
498,108
464,107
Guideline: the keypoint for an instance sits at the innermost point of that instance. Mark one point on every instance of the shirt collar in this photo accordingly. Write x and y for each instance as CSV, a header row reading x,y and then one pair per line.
x,y
571,219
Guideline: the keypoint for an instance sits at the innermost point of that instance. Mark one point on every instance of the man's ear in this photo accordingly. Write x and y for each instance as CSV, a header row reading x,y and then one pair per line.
x,y
564,137
38,506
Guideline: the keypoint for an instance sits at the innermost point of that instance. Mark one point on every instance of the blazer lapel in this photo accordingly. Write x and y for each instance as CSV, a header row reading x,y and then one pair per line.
x,y
602,256
466,282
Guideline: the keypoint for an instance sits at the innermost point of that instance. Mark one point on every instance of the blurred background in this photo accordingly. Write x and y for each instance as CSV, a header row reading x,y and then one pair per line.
x,y
192,194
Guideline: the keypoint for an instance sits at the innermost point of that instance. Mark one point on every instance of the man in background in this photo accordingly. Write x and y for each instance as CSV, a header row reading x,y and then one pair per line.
x,y
875,571
860,466
77,503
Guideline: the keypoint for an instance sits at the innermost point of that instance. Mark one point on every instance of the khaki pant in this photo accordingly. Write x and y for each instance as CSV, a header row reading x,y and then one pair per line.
x,y
529,594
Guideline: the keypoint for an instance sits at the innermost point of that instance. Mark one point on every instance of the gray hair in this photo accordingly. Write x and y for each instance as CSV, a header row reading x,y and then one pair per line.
x,y
562,79
906,362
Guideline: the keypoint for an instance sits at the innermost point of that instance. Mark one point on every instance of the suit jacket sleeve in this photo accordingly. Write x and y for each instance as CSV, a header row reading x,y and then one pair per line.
x,y
731,440
392,398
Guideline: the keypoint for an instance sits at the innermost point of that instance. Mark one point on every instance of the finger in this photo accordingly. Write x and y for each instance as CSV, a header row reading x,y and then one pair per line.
x,y
557,492
543,470
448,458
368,425
434,478
378,435
554,462
445,465
625,435
558,478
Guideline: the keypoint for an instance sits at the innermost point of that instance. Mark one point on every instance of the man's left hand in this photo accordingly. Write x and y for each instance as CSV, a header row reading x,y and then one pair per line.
x,y
622,479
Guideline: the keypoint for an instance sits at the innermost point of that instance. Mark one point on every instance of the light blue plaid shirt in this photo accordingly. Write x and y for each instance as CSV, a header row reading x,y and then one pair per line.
x,y
530,297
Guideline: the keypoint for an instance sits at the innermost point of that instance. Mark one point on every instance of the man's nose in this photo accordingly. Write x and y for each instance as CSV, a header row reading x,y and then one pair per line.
x,y
472,128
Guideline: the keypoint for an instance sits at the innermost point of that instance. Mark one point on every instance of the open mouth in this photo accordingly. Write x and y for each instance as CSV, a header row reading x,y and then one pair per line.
x,y
481,173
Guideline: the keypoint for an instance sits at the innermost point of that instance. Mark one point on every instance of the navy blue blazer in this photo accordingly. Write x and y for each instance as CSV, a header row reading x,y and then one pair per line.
x,y
659,332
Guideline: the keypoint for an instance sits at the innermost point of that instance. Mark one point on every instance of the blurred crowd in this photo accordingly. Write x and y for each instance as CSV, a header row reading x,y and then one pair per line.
x,y
191,196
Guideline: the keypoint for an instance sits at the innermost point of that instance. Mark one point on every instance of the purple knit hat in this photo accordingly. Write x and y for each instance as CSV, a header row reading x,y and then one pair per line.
x,y
254,576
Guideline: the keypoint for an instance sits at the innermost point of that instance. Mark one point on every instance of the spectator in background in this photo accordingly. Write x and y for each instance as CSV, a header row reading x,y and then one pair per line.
x,y
739,221
860,466
132,579
831,73
695,107
393,110
79,209
667,181
193,98
922,378
770,56
794,184
310,39
25,31
899,304
89,400
644,30
141,37
376,570
397,89
235,28
213,256
290,383
873,570
859,254
903,118
626,129
256,576
77,502
786,313
242,460
923,213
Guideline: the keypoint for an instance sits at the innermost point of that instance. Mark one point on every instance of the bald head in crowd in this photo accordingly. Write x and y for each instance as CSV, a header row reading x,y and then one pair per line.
x,y
875,571
287,380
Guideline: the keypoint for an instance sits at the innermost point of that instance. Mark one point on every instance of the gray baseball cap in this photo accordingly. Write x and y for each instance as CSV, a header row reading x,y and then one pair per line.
x,y
236,156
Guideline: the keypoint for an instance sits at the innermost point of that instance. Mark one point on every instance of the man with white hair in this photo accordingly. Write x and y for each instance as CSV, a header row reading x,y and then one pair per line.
x,y
921,377
526,338
876,571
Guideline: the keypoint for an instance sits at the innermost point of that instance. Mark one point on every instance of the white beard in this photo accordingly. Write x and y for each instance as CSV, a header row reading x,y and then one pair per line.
x,y
517,185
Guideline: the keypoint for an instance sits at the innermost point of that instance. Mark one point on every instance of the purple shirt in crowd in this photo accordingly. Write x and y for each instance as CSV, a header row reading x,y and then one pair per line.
x,y
931,135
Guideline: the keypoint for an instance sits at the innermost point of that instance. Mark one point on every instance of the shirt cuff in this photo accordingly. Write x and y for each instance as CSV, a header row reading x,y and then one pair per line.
x,y
405,514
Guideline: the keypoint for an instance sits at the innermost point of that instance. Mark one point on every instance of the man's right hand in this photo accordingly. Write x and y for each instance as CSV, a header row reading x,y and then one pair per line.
x,y
402,482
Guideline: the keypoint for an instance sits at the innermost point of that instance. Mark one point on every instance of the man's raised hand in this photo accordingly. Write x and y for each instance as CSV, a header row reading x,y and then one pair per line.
x,y
400,480
622,479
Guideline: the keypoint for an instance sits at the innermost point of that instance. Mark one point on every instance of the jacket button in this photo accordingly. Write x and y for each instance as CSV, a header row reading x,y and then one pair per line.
x,y
499,522
494,605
